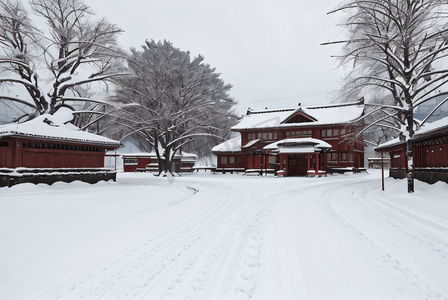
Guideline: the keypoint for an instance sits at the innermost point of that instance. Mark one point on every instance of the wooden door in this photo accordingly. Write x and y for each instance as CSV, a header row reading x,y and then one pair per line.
x,y
249,162
297,165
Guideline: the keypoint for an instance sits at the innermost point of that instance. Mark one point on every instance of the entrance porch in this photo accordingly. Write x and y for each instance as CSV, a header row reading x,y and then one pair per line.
x,y
300,156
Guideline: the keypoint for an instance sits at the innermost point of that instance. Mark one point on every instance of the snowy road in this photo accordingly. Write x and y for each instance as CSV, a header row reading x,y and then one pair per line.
x,y
239,237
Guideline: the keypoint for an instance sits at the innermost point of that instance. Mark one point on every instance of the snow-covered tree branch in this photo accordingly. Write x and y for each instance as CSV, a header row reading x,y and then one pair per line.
x,y
397,49
47,66
178,101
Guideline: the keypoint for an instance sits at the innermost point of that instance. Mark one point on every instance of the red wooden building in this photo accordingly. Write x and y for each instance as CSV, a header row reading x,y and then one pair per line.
x,y
430,153
148,162
299,141
51,142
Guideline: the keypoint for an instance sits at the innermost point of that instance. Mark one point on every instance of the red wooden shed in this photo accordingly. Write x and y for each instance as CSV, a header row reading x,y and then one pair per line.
x,y
51,142
430,153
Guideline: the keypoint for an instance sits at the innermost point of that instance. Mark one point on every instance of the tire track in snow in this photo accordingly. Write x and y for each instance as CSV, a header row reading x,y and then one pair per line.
x,y
411,252
154,255
392,254
356,280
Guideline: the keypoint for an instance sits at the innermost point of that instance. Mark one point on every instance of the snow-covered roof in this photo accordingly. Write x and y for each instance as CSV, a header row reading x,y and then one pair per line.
x,y
320,115
54,127
427,128
251,143
431,127
298,145
232,145
389,144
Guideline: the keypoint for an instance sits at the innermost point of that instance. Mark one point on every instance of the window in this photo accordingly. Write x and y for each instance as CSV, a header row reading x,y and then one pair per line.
x,y
334,156
344,156
223,160
259,135
270,136
350,156
323,133
275,135
231,160
342,131
335,132
329,132
249,136
131,161
287,133
265,135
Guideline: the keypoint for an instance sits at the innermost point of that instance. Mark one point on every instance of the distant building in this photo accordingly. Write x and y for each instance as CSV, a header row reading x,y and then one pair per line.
x,y
148,162
297,141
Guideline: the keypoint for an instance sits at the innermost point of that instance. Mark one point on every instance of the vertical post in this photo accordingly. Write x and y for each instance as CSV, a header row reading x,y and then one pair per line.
x,y
317,164
409,168
382,170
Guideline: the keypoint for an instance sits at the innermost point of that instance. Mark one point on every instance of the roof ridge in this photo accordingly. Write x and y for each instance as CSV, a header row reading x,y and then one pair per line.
x,y
330,105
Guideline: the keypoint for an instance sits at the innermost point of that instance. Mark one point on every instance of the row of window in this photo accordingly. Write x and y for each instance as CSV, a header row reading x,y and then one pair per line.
x,y
60,147
332,132
335,156
298,133
272,136
230,160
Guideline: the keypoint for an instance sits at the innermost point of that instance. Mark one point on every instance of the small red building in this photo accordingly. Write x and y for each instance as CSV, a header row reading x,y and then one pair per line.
x,y
430,153
148,162
398,163
50,141
298,141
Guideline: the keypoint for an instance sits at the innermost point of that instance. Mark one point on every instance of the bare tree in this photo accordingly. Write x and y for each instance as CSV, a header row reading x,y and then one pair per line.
x,y
171,100
55,66
396,48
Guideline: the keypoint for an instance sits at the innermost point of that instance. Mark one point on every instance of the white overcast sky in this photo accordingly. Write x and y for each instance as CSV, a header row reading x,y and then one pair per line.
x,y
269,50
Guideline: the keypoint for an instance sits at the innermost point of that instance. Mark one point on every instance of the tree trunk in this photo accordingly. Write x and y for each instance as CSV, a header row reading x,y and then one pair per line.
x,y
409,168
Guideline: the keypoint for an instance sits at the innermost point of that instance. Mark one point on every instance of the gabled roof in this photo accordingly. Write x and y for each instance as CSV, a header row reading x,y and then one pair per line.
x,y
330,114
55,127
301,115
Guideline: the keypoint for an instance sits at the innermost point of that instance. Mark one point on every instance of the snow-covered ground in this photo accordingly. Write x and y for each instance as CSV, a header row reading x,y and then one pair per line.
x,y
238,237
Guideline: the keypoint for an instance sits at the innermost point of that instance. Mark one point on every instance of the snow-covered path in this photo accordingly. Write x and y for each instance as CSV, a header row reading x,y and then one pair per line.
x,y
239,237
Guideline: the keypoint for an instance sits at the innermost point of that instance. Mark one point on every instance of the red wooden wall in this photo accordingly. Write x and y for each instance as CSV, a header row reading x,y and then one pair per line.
x,y
31,153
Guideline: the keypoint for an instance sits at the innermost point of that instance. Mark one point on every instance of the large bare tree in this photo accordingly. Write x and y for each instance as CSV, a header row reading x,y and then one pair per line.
x,y
47,68
171,100
396,49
